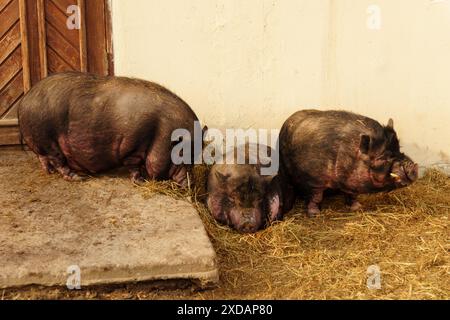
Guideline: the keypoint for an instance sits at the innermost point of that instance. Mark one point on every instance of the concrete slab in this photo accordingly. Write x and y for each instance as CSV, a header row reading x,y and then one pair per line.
x,y
104,226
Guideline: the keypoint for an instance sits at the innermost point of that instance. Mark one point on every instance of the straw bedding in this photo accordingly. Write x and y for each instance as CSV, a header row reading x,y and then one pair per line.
x,y
405,233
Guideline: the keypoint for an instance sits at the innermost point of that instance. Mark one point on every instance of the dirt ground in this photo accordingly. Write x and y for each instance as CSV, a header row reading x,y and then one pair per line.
x,y
405,233
103,225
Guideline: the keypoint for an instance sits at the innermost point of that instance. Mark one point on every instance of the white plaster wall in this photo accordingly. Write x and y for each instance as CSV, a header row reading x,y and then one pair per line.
x,y
401,70
237,63
253,63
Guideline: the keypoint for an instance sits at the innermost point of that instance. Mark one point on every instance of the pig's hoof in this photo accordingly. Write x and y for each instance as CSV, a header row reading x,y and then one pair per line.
x,y
49,170
46,165
138,180
73,177
356,206
312,212
179,175
182,183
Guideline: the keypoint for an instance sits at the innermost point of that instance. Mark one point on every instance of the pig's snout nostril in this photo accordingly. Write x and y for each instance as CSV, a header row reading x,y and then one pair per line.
x,y
411,171
248,225
247,228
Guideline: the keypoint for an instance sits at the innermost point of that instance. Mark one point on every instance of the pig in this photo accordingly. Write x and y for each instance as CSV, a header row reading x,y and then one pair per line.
x,y
242,198
83,123
343,152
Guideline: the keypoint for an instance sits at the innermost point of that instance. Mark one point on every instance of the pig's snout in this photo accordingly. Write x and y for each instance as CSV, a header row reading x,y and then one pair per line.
x,y
248,226
249,222
405,173
412,171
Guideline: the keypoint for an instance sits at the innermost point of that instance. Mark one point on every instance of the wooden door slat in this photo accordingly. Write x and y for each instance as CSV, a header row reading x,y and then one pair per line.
x,y
32,22
59,21
25,47
9,135
55,63
63,47
62,5
9,42
35,40
11,114
3,4
9,17
57,54
42,39
82,36
11,93
10,67
96,37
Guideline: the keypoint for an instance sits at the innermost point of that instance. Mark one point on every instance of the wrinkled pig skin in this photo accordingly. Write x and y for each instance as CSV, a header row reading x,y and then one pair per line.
x,y
344,152
240,197
77,122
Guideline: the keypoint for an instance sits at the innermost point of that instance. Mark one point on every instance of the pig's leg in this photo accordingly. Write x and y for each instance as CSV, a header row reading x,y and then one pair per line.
x,y
46,165
159,164
352,201
157,161
64,170
178,173
134,165
59,164
52,159
136,176
314,201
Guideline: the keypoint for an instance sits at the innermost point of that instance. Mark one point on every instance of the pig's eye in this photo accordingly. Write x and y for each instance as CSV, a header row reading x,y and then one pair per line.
x,y
380,165
379,162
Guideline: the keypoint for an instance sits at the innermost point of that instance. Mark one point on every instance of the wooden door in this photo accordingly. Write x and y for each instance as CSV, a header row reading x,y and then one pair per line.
x,y
14,66
41,37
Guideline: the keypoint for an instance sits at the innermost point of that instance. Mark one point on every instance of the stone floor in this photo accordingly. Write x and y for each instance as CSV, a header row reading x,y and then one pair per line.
x,y
103,226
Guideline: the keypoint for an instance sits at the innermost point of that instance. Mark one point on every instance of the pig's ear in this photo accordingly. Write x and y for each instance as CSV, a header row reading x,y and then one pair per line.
x,y
364,144
222,178
274,198
275,211
390,124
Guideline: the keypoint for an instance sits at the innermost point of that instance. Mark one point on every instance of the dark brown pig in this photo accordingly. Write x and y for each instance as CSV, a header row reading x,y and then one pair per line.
x,y
241,197
78,122
342,151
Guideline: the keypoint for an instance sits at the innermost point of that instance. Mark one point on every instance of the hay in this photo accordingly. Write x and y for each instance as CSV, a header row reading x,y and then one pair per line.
x,y
405,233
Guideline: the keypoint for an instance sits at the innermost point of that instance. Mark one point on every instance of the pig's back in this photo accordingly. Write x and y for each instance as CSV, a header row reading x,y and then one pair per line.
x,y
68,97
312,143
97,121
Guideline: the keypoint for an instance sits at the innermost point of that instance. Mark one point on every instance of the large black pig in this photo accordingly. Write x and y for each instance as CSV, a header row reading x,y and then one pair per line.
x,y
342,151
78,122
241,197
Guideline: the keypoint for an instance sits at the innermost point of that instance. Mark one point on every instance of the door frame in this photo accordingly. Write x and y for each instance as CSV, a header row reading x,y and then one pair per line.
x,y
96,45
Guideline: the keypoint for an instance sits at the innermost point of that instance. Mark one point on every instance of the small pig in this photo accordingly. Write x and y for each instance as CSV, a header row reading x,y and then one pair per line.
x,y
241,197
78,122
342,151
